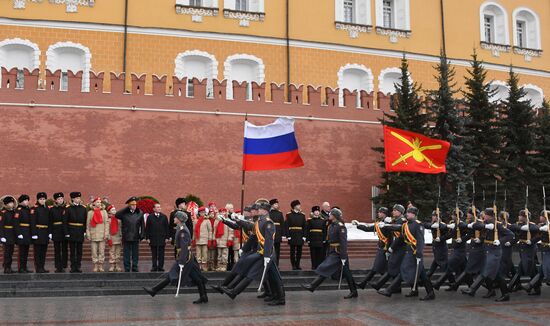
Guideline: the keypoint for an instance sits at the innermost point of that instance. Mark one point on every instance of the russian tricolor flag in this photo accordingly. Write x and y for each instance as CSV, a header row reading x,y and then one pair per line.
x,y
270,147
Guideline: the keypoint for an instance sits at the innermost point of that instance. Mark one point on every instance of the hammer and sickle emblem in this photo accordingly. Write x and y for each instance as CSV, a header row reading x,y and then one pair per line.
x,y
417,151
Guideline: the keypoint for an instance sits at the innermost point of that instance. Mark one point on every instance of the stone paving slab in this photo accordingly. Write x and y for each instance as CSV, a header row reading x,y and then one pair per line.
x,y
303,308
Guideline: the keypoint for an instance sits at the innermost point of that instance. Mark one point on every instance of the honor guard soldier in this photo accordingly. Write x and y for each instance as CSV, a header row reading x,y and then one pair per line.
x,y
412,268
495,235
316,234
439,244
41,228
181,205
75,229
380,264
22,229
58,216
507,267
526,234
396,250
533,286
185,271
295,232
279,221
337,257
7,231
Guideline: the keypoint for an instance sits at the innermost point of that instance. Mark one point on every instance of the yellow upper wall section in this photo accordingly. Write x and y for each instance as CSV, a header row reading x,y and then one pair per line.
x,y
314,20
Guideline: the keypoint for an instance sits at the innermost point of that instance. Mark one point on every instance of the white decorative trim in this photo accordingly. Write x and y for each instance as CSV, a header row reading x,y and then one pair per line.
x,y
244,17
72,5
196,12
495,84
51,61
353,29
228,67
482,21
18,41
370,80
495,48
393,33
382,75
179,70
536,89
537,24
21,4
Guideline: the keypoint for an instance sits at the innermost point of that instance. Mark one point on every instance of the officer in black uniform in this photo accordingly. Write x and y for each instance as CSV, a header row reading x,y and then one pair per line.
x,y
76,229
396,250
41,228
412,268
316,234
526,234
295,225
185,264
181,205
7,232
279,221
58,215
22,229
385,238
439,244
533,287
337,257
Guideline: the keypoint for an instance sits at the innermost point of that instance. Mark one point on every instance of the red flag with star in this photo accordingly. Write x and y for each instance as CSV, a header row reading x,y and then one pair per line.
x,y
407,151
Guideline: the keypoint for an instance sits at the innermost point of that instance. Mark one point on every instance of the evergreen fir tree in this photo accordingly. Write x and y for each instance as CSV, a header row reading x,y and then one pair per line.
x,y
542,144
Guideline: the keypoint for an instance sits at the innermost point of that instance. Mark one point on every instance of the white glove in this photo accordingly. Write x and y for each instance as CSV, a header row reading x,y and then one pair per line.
x,y
390,250
489,226
437,239
544,228
477,240
458,240
3,239
50,236
387,255
241,217
507,244
343,262
435,226
181,266
34,237
381,224
528,242
240,252
66,236
288,238
451,226
418,260
20,236
525,227
354,222
304,238
496,243
266,261
471,225
387,220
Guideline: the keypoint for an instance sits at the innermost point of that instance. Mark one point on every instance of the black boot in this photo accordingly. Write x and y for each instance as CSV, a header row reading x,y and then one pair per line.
x,y
369,277
413,293
514,282
233,283
351,285
233,293
202,293
267,293
441,280
453,287
471,291
532,283
430,294
380,282
313,285
278,295
395,283
504,296
226,281
155,289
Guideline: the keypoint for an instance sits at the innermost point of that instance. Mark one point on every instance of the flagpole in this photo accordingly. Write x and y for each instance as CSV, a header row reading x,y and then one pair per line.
x,y
242,190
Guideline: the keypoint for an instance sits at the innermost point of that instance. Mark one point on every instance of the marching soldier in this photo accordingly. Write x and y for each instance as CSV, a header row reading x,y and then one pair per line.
x,y
75,229
396,250
279,220
41,228
337,258
544,247
525,232
412,268
507,267
315,236
439,245
186,269
22,229
181,205
380,264
7,232
295,232
58,215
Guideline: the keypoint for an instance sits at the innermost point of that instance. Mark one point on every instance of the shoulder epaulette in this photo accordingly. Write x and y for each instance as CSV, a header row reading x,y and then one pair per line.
x,y
341,224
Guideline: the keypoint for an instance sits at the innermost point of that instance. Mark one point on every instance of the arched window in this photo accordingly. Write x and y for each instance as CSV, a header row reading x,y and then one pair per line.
x,y
197,64
71,56
500,91
493,24
354,77
387,80
393,14
534,94
526,29
353,11
20,54
243,68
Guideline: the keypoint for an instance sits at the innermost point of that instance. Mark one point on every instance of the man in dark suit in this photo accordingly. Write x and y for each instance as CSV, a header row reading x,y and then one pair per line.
x,y
156,233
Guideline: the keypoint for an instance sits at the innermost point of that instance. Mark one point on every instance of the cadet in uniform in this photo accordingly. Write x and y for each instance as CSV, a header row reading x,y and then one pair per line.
x,y
380,264
526,234
278,219
22,229
41,228
315,237
544,247
295,232
186,263
7,232
76,228
58,215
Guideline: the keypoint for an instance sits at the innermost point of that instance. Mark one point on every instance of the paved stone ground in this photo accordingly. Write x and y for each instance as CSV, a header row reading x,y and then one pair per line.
x,y
303,308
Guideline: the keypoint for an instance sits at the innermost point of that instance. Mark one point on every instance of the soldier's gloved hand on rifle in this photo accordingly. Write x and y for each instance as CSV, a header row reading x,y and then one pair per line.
x,y
240,252
477,240
418,260
20,236
266,261
458,240
3,239
437,239
354,222
343,262
471,225
490,226
528,242
387,220
381,225
390,250
181,266
435,225
525,227
304,238
507,244
50,236
544,228
451,226
34,237
496,243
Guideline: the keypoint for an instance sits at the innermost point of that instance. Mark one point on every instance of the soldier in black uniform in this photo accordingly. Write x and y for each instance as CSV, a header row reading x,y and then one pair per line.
x,y
494,234
337,258
58,216
76,228
412,268
316,234
22,229
507,267
279,221
41,229
526,235
181,205
439,245
380,264
396,250
533,286
7,232
186,265
295,225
